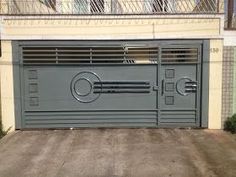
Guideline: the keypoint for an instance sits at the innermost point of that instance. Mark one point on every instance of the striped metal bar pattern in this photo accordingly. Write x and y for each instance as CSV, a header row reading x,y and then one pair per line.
x,y
89,55
112,7
107,55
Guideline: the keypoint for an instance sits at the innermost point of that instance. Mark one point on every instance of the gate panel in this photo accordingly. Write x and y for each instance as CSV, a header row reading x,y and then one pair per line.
x,y
86,88
89,87
179,87
180,81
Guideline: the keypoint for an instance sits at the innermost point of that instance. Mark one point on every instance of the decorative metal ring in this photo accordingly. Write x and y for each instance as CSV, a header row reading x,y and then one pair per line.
x,y
177,86
90,96
90,84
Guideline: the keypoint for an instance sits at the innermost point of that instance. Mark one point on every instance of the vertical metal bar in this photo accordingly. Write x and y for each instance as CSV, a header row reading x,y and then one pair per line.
x,y
22,87
218,6
8,6
162,87
111,6
125,54
56,55
230,13
163,5
198,80
159,75
91,55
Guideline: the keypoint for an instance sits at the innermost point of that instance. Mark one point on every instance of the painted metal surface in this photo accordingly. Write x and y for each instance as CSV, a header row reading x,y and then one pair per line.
x,y
157,92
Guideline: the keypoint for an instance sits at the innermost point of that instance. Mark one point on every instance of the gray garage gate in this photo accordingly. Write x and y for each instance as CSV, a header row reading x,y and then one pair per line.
x,y
109,84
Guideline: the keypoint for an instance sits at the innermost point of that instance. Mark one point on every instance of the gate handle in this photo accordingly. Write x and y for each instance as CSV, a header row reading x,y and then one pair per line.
x,y
162,87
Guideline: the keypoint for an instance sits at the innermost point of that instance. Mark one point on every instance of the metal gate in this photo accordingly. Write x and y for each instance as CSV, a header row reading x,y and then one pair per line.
x,y
110,84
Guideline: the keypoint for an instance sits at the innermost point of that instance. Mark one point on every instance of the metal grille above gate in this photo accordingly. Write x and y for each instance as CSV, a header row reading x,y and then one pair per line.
x,y
89,55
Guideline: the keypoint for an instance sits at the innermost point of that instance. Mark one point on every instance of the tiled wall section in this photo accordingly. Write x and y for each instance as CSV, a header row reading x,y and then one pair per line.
x,y
234,87
228,82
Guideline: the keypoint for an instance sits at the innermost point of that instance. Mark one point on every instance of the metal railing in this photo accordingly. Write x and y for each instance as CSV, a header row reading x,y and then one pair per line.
x,y
230,15
112,7
234,22
230,25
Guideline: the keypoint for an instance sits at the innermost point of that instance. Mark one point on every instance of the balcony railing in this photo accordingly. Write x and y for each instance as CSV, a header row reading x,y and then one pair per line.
x,y
230,15
109,7
230,25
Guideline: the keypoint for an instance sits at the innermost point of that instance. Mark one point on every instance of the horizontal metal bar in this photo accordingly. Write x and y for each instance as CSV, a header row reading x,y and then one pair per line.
x,y
178,109
121,91
190,88
112,114
91,120
84,59
121,87
94,110
178,49
191,91
87,64
104,63
180,58
179,53
95,124
79,50
93,55
179,113
122,82
180,63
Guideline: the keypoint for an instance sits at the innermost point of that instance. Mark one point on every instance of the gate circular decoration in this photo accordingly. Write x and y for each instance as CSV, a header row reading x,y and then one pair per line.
x,y
82,87
180,86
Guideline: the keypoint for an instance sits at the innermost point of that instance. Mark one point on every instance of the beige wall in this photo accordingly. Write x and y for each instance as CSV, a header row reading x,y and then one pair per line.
x,y
111,28
215,84
7,95
230,38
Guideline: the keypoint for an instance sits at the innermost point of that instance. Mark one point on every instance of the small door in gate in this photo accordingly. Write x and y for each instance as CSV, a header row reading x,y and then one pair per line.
x,y
180,83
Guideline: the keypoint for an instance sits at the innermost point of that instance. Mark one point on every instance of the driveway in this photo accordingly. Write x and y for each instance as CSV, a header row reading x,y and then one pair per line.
x,y
118,153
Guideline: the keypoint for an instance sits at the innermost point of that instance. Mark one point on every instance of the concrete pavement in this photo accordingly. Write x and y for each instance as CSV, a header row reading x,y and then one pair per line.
x,y
118,153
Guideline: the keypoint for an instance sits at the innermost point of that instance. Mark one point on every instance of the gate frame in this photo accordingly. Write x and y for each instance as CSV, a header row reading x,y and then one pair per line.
x,y
204,81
